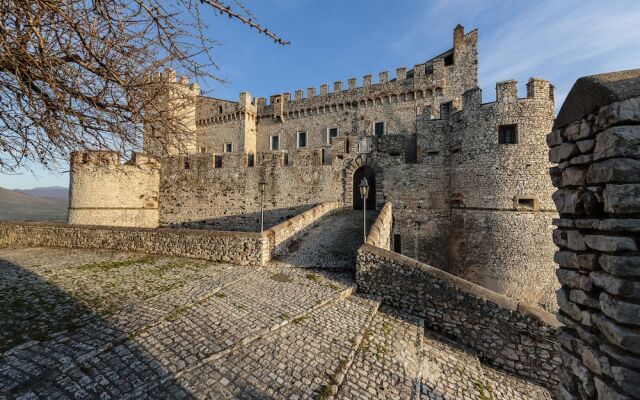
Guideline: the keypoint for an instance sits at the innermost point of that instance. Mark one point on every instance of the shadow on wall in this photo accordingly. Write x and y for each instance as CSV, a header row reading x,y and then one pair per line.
x,y
249,222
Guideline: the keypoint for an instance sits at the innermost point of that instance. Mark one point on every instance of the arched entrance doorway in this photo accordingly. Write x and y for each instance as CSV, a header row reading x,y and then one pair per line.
x,y
370,174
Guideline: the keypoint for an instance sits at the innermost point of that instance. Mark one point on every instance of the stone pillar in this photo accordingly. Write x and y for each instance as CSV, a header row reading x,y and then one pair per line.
x,y
596,145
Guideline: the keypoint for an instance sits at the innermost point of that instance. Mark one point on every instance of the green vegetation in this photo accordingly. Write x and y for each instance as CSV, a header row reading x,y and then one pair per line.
x,y
109,265
488,395
313,277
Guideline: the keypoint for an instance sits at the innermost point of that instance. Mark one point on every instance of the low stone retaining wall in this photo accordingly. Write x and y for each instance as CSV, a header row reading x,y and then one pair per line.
x,y
380,232
515,337
282,234
236,247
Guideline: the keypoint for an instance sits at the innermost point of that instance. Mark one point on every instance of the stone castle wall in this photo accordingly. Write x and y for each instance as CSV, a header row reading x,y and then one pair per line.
x,y
456,192
105,192
596,145
500,195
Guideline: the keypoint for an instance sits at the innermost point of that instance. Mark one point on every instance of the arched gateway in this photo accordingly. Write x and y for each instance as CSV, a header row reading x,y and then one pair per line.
x,y
369,174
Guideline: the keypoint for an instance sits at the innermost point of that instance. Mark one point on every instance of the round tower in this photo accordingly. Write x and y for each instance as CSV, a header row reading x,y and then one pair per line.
x,y
501,208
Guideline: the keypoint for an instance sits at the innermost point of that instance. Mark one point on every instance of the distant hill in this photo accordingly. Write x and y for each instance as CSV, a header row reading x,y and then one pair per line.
x,y
46,204
53,192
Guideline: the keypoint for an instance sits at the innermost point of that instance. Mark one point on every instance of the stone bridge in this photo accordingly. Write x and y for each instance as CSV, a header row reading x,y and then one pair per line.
x,y
104,324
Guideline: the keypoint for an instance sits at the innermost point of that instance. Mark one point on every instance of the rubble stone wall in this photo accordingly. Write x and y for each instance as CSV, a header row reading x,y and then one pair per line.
x,y
233,247
514,336
596,145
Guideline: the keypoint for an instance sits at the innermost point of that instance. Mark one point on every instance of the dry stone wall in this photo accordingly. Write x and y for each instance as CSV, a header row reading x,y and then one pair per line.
x,y
596,145
513,336
233,247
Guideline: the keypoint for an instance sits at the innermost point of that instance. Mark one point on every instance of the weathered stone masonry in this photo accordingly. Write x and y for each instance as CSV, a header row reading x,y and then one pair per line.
x,y
596,145
467,180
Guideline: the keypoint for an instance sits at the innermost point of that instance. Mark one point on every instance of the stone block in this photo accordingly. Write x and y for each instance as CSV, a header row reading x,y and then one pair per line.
x,y
563,152
567,306
582,159
586,146
566,259
621,311
627,111
574,279
614,170
622,199
567,201
575,241
627,338
616,286
618,141
627,379
583,298
607,392
622,266
559,238
555,138
591,360
609,243
574,176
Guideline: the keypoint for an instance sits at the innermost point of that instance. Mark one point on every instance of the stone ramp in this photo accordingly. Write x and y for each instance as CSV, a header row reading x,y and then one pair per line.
x,y
331,244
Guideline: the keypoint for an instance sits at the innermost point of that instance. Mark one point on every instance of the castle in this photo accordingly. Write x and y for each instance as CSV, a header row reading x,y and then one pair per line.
x,y
468,180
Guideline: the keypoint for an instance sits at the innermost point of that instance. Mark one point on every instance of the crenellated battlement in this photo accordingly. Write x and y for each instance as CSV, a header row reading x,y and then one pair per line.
x,y
170,76
110,159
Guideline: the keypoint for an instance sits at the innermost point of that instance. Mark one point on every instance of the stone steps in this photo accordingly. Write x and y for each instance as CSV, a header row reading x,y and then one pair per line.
x,y
449,372
304,359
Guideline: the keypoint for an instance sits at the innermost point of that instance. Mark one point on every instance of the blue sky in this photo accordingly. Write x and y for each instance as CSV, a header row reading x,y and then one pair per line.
x,y
334,40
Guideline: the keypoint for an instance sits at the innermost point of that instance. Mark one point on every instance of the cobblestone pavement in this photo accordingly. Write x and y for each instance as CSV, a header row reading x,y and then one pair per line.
x,y
321,247
110,325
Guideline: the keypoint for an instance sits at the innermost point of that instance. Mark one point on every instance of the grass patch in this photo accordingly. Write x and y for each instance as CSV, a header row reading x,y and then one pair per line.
x,y
380,351
333,287
486,392
280,277
386,328
220,295
299,320
313,277
109,265
175,314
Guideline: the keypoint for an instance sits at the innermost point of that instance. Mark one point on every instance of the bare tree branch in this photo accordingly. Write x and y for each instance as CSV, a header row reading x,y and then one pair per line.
x,y
83,74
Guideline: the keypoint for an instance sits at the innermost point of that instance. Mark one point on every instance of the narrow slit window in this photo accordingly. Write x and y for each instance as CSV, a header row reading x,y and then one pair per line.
x,y
378,129
251,160
218,161
331,133
275,142
397,243
302,140
285,159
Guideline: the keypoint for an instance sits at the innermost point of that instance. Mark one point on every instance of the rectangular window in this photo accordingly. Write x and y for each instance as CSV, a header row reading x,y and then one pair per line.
x,y
285,158
217,161
202,149
331,133
187,165
346,146
508,134
275,142
378,129
302,140
228,147
251,160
